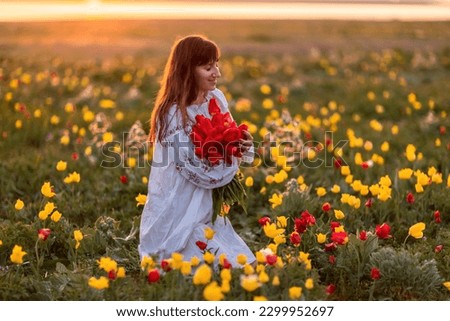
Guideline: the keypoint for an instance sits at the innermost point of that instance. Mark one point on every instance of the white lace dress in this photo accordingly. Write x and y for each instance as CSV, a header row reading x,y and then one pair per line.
x,y
179,200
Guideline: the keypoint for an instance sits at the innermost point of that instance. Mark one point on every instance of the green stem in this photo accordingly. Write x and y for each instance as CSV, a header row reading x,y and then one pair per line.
x,y
404,242
38,263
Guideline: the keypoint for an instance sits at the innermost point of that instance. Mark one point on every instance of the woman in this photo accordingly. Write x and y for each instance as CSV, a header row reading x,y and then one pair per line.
x,y
179,203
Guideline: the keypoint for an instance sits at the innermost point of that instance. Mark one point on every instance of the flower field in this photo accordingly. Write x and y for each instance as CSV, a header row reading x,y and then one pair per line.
x,y
348,196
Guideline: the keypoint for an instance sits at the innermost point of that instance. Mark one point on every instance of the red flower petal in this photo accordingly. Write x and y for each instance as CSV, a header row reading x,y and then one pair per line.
x,y
271,259
201,245
264,220
153,276
375,273
213,107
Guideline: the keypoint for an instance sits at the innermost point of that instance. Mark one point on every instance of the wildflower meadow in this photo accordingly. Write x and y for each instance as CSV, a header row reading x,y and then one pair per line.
x,y
348,197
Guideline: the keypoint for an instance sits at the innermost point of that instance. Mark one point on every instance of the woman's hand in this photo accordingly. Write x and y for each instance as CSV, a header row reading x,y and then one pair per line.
x,y
247,142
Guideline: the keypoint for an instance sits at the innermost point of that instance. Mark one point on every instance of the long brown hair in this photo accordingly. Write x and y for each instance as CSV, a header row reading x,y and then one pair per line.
x,y
178,84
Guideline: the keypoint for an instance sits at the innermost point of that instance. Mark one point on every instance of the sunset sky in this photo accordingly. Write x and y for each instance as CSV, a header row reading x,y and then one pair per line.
x,y
35,10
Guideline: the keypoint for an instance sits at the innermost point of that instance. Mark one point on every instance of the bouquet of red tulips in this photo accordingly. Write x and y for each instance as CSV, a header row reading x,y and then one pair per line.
x,y
217,139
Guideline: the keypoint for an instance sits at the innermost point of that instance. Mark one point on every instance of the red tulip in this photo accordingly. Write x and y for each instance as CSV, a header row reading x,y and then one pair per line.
x,y
226,264
124,179
383,231
375,273
264,220
326,207
330,289
410,198
438,248
334,225
437,217
295,239
43,233
201,245
271,259
337,163
363,235
165,265
368,203
339,238
112,275
153,276
306,219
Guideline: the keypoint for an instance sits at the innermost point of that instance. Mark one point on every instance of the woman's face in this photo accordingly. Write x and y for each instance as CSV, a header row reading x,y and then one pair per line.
x,y
206,76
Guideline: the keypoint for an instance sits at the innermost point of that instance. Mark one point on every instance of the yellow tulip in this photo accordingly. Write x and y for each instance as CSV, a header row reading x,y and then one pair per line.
x,y
213,292
202,275
405,173
263,277
120,272
345,170
335,189
411,152
72,178
321,191
276,200
208,257
281,221
321,238
309,283
61,166
272,231
295,292
209,233
107,103
225,275
339,214
19,204
250,282
107,264
56,216
241,259
385,181
47,190
17,255
195,261
78,236
249,181
416,230
99,284
447,285
141,199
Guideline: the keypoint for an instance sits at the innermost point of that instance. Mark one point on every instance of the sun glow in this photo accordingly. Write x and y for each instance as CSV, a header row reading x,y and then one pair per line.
x,y
95,9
